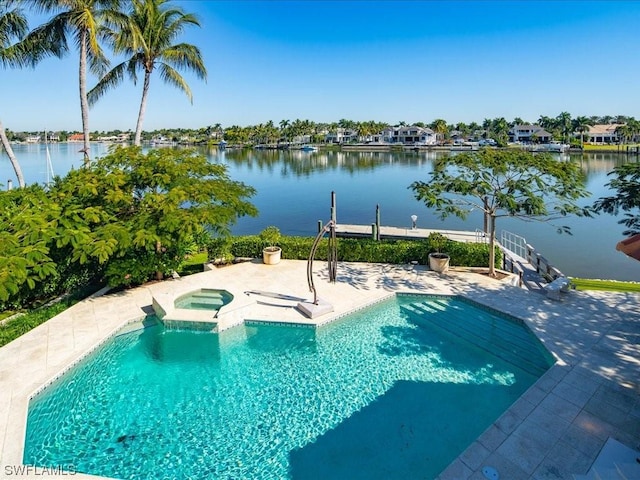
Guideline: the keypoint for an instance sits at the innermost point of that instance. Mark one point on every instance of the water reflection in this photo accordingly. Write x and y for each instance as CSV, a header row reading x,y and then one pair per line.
x,y
300,163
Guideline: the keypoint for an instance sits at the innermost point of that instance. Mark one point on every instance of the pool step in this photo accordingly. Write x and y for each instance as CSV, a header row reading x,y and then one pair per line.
x,y
500,337
208,295
484,321
205,305
509,340
201,302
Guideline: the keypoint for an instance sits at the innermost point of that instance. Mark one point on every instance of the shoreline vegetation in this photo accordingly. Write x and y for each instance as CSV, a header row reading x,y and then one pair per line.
x,y
562,133
622,149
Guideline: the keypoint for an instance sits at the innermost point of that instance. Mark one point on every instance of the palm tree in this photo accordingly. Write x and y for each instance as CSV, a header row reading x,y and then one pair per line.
x,y
546,122
440,127
80,19
581,124
500,127
623,132
26,51
284,129
634,128
147,39
13,25
564,123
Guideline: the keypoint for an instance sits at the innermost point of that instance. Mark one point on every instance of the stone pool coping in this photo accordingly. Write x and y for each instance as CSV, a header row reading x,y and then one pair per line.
x,y
554,430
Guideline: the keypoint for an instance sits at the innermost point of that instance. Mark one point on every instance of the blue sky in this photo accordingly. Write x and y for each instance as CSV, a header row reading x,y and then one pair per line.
x,y
388,61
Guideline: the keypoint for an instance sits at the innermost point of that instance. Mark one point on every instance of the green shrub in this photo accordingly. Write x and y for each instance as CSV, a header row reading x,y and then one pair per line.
x,y
360,250
270,235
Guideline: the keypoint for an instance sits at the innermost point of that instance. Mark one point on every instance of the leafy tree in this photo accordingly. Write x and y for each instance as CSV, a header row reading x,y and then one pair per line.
x,y
503,183
137,212
626,182
27,226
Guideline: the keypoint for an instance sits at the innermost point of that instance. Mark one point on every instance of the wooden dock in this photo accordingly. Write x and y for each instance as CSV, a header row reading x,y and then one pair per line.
x,y
366,231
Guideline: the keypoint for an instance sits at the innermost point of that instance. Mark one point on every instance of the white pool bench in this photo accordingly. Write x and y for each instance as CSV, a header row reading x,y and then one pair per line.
x,y
560,284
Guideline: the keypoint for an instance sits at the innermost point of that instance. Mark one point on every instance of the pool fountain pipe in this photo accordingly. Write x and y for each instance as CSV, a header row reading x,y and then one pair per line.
x,y
332,257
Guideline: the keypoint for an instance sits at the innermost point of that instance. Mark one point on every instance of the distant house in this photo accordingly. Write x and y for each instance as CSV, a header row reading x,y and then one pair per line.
x,y
411,135
525,133
602,133
33,139
75,137
341,135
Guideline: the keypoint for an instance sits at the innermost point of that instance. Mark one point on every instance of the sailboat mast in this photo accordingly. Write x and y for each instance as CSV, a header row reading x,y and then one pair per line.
x,y
49,164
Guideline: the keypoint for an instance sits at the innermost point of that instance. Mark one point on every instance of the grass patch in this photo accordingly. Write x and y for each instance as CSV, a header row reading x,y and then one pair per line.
x,y
20,325
193,264
30,320
608,148
605,285
6,314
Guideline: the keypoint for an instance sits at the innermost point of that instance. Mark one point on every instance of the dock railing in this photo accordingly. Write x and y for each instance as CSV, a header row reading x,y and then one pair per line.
x,y
542,265
519,255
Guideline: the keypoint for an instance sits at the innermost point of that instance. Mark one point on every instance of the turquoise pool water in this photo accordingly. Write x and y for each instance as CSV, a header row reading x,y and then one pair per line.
x,y
392,391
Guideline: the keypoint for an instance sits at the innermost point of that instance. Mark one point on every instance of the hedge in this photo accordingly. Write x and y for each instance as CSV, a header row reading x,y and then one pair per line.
x,y
355,250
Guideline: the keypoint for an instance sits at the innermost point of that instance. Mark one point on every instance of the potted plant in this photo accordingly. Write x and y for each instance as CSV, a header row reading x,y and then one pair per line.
x,y
271,253
438,261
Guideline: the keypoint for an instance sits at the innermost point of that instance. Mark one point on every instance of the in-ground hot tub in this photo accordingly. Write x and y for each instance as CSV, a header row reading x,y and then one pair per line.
x,y
217,307
204,299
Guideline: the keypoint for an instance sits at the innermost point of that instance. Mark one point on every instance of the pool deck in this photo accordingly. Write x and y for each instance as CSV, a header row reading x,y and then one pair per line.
x,y
556,429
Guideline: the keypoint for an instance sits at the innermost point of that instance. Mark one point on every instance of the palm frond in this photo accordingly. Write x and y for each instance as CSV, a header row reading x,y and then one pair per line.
x,y
111,80
172,77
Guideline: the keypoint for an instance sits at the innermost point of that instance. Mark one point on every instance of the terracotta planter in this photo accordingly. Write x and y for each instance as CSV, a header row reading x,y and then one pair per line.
x,y
271,255
439,262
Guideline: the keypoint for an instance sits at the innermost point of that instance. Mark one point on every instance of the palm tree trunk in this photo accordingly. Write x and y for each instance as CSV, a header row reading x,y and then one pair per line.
x,y
12,157
143,106
84,104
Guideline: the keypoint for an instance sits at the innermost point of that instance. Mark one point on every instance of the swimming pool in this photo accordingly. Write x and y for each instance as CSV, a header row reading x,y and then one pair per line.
x,y
386,392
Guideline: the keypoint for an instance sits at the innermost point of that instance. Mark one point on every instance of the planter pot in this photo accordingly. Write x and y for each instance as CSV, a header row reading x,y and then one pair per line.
x,y
439,262
271,255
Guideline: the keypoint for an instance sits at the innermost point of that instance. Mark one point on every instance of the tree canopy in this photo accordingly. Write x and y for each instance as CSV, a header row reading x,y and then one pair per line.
x,y
626,182
503,183
130,214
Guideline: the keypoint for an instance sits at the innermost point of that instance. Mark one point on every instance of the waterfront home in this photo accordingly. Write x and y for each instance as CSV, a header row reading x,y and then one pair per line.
x,y
76,137
599,134
410,135
342,135
529,133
